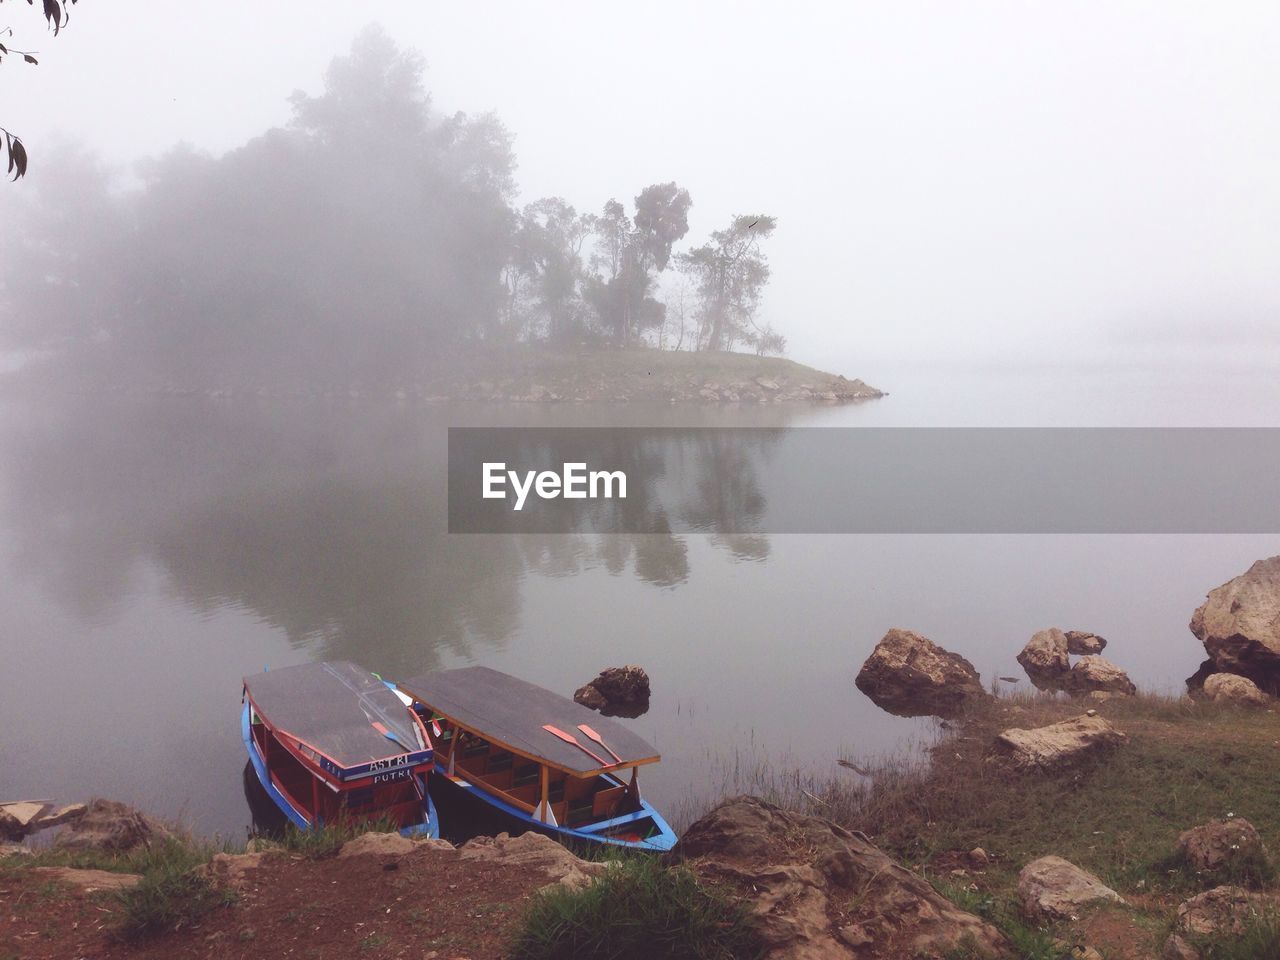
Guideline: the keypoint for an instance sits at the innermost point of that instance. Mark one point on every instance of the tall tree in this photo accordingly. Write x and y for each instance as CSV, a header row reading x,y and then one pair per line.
x,y
544,276
730,272
630,252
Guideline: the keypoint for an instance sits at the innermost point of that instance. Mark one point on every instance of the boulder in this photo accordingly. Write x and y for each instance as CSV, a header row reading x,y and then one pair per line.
x,y
1057,889
110,825
1045,659
1082,643
911,676
1059,745
1221,844
1093,673
1233,688
18,819
534,850
1239,625
376,845
617,691
819,892
1222,913
60,815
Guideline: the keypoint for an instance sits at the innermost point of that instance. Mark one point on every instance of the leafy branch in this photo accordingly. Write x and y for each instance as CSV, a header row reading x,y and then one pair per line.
x,y
57,16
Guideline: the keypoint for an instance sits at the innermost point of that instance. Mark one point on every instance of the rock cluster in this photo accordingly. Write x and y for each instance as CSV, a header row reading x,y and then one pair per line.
x,y
1047,660
617,691
673,388
820,892
911,676
1239,625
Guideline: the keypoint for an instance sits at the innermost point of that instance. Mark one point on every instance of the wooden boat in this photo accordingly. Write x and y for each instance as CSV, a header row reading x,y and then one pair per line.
x,y
493,737
329,742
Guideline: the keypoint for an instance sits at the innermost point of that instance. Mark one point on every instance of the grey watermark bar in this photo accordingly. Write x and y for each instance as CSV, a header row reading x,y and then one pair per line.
x,y
863,480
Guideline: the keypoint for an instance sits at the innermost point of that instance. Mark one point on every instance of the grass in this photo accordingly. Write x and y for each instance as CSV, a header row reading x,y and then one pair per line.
x,y
1259,941
1119,817
1028,942
1252,870
327,840
637,910
1184,764
167,900
171,893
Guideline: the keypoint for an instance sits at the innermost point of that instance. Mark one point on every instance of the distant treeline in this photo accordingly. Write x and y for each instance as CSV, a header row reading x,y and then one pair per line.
x,y
361,241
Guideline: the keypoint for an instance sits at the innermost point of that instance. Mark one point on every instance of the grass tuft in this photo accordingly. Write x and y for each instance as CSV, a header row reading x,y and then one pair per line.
x,y
167,900
1260,940
326,841
1028,942
637,910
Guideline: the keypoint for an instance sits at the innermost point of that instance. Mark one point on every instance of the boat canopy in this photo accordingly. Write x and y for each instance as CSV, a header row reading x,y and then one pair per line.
x,y
511,712
342,712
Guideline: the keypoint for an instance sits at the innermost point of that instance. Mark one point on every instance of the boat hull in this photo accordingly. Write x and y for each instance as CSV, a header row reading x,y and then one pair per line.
x,y
661,839
430,827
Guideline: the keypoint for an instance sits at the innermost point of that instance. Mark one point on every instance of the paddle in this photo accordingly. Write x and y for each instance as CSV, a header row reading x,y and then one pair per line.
x,y
600,740
569,738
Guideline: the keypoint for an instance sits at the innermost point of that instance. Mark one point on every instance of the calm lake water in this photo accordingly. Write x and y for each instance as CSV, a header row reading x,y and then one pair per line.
x,y
154,552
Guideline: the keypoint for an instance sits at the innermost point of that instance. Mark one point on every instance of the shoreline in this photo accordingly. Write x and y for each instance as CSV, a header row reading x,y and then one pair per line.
x,y
962,821
507,375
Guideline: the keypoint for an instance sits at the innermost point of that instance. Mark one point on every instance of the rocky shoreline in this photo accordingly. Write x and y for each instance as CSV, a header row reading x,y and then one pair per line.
x,y
523,375
1086,820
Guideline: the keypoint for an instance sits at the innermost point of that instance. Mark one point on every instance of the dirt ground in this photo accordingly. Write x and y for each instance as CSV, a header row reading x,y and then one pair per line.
x,y
424,905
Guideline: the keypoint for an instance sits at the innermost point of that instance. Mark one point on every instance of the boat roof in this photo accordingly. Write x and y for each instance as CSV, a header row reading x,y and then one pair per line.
x,y
511,712
332,706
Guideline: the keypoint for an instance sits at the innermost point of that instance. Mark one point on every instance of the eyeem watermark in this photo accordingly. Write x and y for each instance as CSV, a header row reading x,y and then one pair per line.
x,y
573,482
749,480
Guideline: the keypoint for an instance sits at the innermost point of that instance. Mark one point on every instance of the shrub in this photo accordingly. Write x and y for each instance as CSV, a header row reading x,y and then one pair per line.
x,y
166,899
637,910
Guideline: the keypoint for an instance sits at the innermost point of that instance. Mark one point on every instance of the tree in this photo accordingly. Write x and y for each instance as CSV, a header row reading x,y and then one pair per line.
x,y
729,273
354,244
56,15
629,253
543,278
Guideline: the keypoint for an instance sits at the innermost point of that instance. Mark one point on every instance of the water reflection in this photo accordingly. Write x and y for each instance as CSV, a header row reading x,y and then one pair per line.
x,y
327,522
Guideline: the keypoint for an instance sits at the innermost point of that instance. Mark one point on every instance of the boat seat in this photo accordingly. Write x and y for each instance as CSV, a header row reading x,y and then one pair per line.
x,y
606,802
525,775
581,810
501,761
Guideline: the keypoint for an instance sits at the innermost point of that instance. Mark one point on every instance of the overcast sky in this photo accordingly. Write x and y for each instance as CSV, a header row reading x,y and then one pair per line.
x,y
953,181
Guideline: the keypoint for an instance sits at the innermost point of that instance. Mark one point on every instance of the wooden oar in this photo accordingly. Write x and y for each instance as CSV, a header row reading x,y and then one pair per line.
x,y
570,738
599,739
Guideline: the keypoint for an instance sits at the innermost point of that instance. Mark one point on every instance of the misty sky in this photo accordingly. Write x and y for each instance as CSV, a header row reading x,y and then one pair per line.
x,y
973,182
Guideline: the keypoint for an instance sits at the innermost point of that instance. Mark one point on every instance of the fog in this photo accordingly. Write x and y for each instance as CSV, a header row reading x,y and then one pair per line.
x,y
977,185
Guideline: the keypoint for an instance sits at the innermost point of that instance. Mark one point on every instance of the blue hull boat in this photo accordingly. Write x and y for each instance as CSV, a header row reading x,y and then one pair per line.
x,y
329,743
537,758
